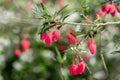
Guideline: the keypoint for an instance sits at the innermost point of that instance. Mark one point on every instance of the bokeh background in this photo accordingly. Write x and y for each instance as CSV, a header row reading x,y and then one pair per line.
x,y
40,62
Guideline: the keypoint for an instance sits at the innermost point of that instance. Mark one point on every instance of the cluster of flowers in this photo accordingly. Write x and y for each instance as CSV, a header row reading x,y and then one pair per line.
x,y
53,36
79,68
108,8
49,37
76,69
25,44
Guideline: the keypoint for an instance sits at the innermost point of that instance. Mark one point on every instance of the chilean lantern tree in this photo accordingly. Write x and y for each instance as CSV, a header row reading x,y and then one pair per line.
x,y
59,39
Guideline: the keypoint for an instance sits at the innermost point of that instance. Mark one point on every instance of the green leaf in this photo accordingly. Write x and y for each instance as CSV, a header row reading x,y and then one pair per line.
x,y
67,15
42,29
115,52
36,10
45,25
59,57
77,32
61,10
46,10
81,15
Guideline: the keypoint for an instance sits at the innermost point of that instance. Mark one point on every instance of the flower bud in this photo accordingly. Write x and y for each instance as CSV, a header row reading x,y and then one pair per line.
x,y
85,57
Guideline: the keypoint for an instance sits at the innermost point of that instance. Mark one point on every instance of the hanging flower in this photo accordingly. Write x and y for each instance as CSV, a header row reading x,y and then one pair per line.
x,y
113,10
73,68
71,37
61,47
91,45
17,52
25,44
109,8
85,57
81,67
48,38
118,8
103,8
76,69
101,13
43,36
55,35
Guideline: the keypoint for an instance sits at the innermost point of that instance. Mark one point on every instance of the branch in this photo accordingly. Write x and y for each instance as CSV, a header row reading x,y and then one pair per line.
x,y
36,22
92,24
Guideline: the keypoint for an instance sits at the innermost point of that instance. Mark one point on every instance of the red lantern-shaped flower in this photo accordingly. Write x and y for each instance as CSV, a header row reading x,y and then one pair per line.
x,y
55,35
118,8
101,13
17,52
91,45
48,38
25,44
76,69
73,68
43,36
81,67
85,57
71,37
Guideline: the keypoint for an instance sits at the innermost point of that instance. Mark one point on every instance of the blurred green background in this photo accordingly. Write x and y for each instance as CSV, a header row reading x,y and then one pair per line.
x,y
40,61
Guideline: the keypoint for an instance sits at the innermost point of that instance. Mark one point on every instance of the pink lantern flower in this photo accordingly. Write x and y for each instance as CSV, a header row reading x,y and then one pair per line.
x,y
91,45
25,44
73,68
55,35
17,52
118,8
71,37
85,57
30,5
76,69
43,36
81,67
101,13
48,38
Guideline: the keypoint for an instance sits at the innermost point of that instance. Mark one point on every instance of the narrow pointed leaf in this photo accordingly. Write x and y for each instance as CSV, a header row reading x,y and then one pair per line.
x,y
67,15
61,10
115,52
36,10
59,57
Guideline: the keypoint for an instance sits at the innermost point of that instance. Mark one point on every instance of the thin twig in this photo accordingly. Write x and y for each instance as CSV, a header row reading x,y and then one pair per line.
x,y
62,75
102,57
